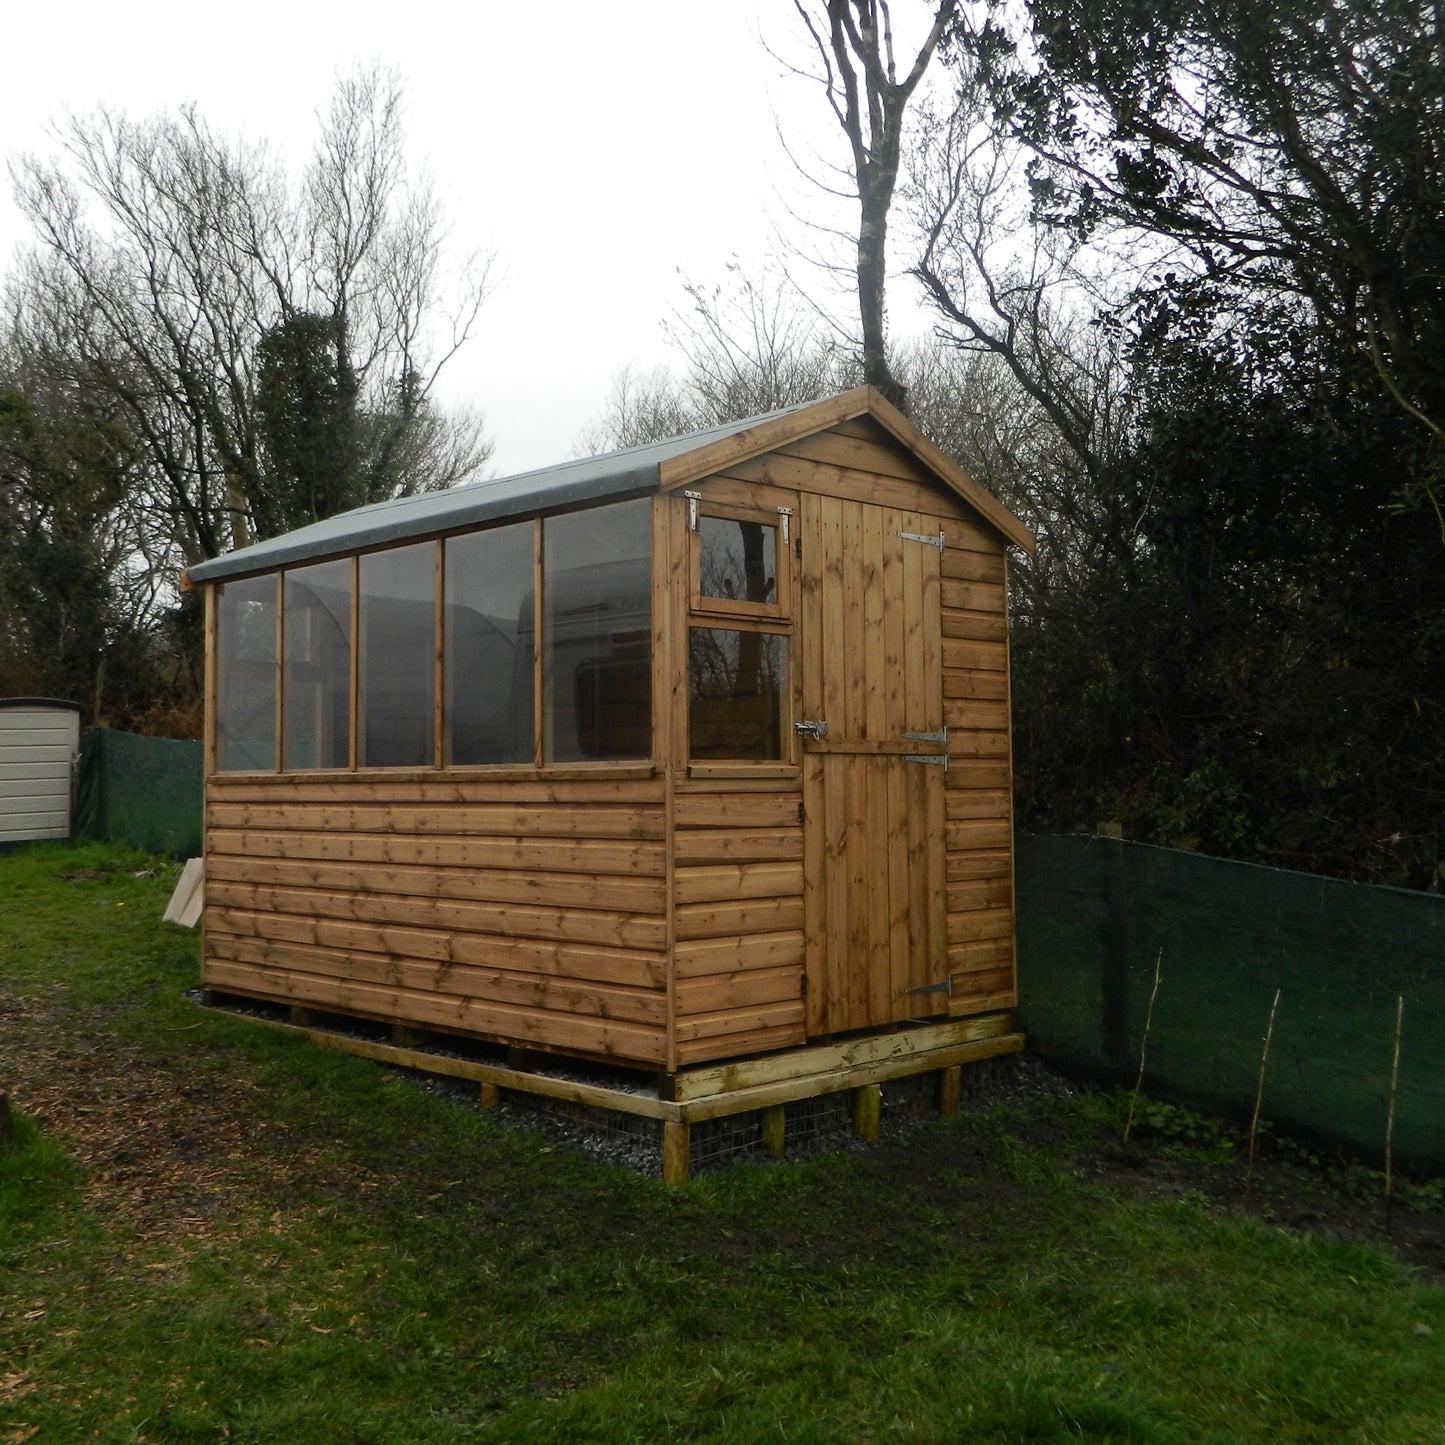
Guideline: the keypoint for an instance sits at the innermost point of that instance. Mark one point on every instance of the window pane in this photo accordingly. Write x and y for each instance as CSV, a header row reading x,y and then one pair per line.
x,y
489,639
735,687
737,561
398,657
316,652
597,653
246,675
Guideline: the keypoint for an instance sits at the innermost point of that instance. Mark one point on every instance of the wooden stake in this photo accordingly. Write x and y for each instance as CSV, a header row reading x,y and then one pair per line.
x,y
676,1146
1390,1114
950,1088
867,1111
1259,1093
774,1130
1143,1047
7,1123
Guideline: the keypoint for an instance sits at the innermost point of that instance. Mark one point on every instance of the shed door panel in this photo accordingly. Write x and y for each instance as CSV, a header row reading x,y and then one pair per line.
x,y
871,658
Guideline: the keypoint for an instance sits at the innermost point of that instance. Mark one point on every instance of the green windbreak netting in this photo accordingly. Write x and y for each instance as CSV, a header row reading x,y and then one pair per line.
x,y
1095,914
143,791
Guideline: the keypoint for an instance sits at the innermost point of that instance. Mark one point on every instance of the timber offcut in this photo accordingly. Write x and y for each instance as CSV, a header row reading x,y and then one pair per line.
x,y
693,756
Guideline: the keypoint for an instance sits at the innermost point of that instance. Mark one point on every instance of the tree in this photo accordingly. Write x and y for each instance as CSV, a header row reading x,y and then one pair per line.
x,y
749,346
234,317
853,40
1290,159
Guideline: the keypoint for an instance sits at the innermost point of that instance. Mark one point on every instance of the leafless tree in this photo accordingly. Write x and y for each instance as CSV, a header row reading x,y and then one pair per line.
x,y
167,254
853,40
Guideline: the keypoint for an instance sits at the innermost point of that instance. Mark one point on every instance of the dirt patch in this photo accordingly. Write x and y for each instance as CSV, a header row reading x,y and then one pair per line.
x,y
171,1154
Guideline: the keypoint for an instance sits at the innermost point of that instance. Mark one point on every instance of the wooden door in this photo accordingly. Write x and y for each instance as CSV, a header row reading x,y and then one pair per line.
x,y
870,654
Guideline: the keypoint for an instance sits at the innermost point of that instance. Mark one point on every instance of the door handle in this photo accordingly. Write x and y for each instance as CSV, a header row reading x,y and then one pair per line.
x,y
813,728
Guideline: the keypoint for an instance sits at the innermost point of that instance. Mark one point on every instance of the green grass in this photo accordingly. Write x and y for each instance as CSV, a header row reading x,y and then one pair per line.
x,y
368,1261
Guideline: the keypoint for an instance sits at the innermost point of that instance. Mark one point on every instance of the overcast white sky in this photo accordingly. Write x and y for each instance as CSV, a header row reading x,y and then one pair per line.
x,y
599,149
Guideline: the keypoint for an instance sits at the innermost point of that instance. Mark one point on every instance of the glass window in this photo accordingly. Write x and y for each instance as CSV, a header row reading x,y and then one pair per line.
x,y
397,626
737,560
735,686
489,641
597,654
316,656
246,675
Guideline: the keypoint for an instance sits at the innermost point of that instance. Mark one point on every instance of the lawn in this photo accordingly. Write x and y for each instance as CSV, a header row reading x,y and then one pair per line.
x,y
212,1231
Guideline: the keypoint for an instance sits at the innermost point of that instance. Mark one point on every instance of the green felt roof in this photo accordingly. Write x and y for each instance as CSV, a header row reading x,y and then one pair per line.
x,y
587,482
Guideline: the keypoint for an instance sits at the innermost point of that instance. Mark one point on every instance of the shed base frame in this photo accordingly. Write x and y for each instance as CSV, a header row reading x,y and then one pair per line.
x,y
764,1085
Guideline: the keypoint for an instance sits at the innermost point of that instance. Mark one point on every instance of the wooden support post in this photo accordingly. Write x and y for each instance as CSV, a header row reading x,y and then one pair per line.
x,y
488,1095
7,1124
773,1130
867,1110
303,1017
949,1087
675,1145
404,1036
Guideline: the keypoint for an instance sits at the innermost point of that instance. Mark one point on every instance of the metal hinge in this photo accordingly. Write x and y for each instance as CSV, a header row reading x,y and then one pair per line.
x,y
927,541
938,737
930,760
693,498
785,516
944,986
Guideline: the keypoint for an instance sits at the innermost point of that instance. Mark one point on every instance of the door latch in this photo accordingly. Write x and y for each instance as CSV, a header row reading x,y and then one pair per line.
x,y
815,729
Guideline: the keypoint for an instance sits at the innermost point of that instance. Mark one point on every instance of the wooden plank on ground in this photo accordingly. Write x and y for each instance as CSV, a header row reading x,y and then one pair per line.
x,y
816,1060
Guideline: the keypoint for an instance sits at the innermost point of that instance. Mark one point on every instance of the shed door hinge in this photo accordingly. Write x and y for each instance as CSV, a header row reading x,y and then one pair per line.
x,y
693,498
942,986
929,760
927,541
785,517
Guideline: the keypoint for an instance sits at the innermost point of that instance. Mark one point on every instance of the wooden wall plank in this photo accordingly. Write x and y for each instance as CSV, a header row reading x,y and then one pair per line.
x,y
798,474
725,881
704,957
740,845
590,997
620,894
772,809
742,1042
605,1037
960,687
744,990
492,819
630,968
542,855
409,788
974,626
750,915
573,925
979,863
729,1024
962,565
977,656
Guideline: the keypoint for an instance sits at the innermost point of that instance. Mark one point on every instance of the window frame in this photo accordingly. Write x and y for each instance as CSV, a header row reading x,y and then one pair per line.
x,y
779,611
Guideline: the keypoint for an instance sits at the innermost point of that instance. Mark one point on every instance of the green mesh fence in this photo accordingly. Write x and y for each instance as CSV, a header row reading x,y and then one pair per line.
x,y
1094,915
143,791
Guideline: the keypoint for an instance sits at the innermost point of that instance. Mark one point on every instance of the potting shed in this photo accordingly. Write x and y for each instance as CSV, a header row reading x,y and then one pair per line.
x,y
691,759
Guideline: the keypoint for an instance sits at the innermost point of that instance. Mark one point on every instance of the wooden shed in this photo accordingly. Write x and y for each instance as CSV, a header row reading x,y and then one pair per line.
x,y
692,758
39,741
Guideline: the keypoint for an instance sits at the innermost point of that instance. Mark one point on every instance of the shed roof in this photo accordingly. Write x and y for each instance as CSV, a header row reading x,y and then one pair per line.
x,y
594,480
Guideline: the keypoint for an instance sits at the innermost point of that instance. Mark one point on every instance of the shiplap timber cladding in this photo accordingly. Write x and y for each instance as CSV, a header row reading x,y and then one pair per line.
x,y
731,888
39,740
